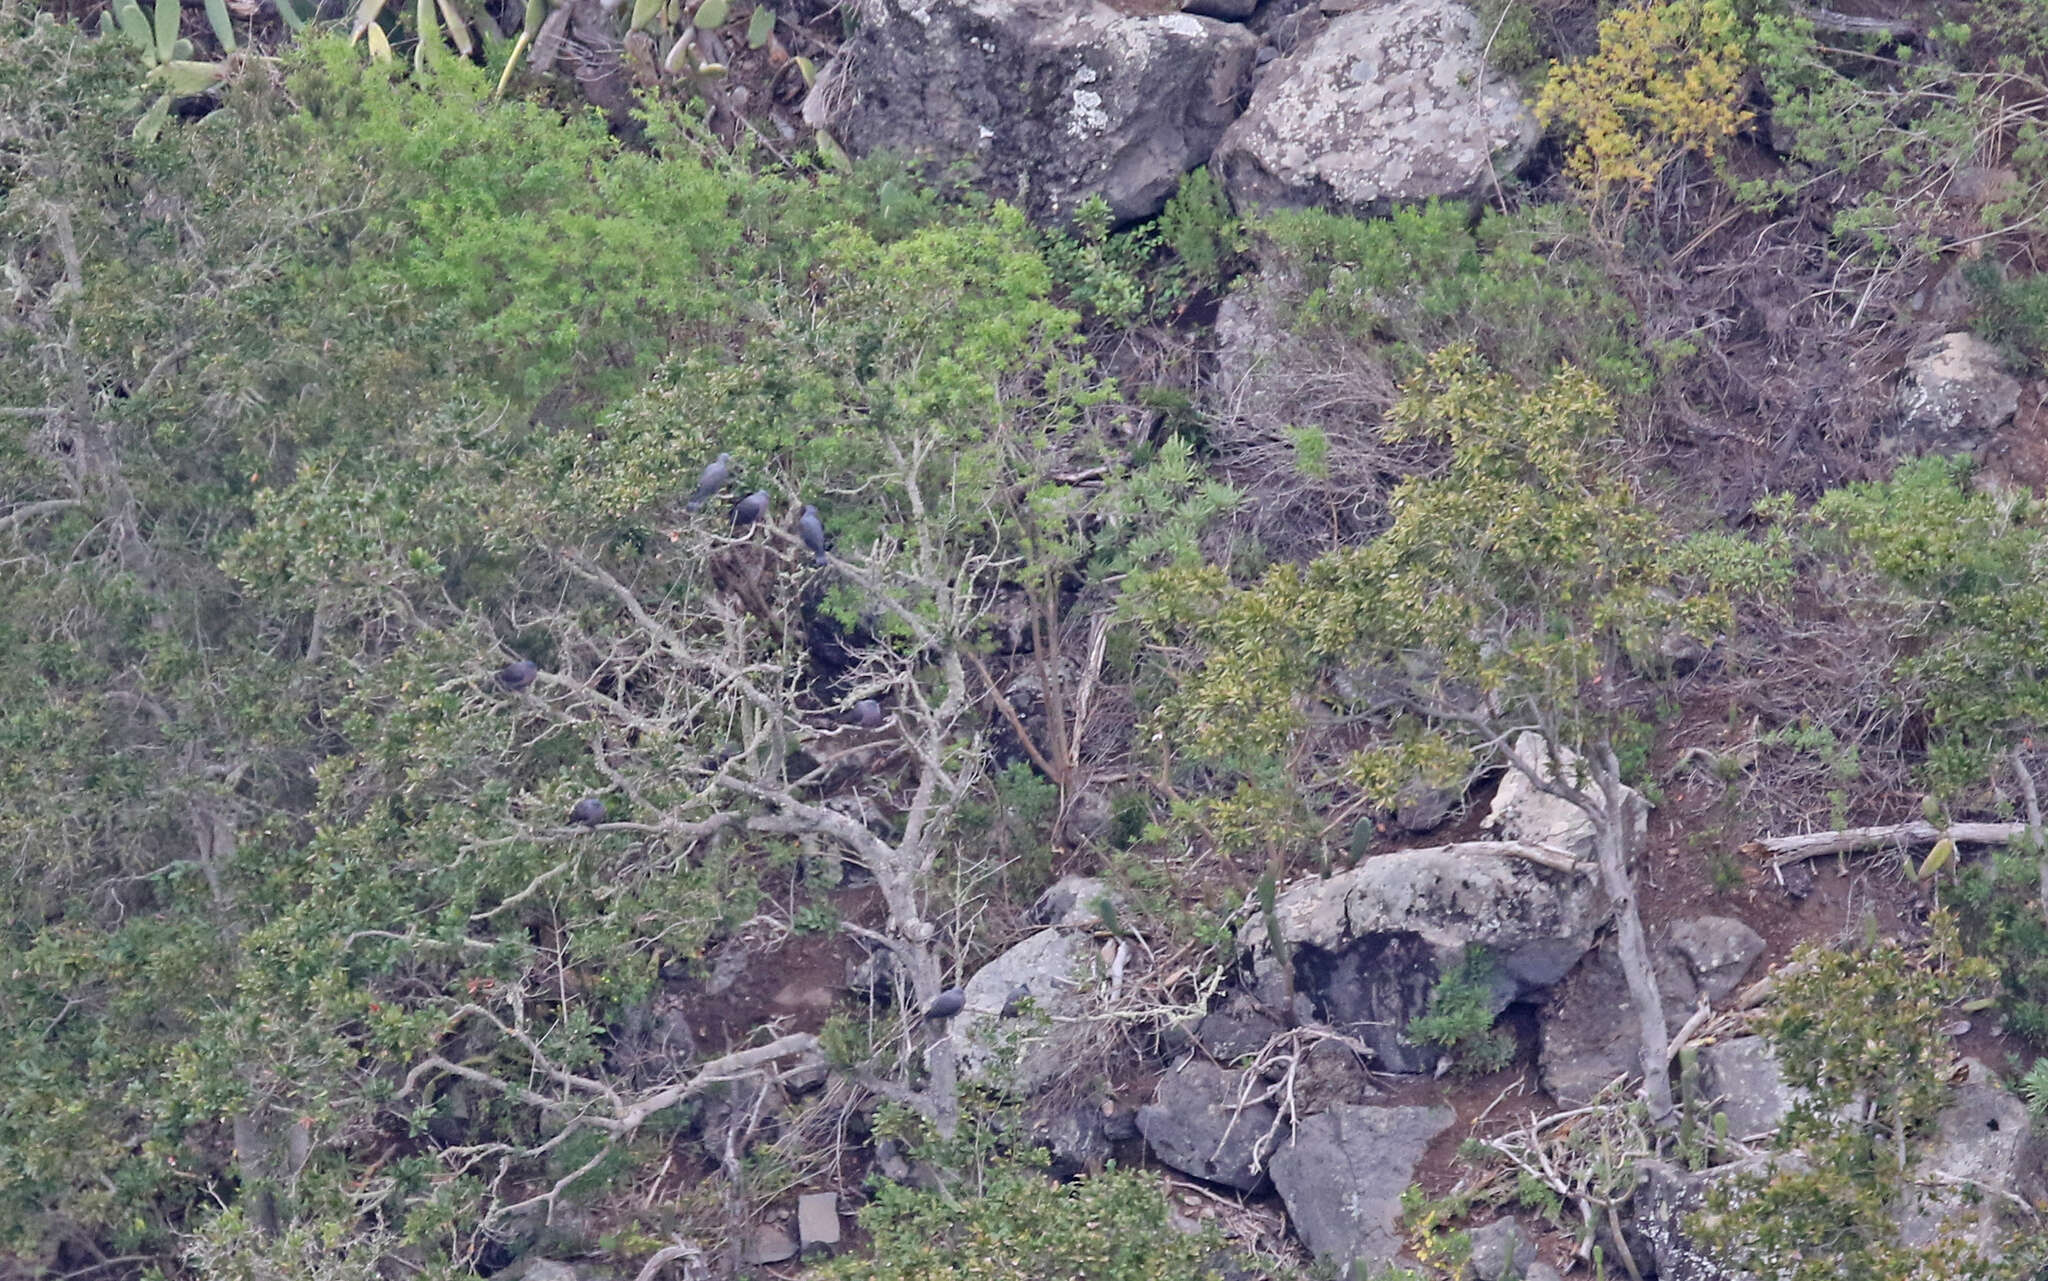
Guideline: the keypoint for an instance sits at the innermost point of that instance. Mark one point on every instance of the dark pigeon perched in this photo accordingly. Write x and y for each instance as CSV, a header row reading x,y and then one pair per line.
x,y
946,1004
1013,1005
710,482
812,531
517,676
867,714
750,509
589,812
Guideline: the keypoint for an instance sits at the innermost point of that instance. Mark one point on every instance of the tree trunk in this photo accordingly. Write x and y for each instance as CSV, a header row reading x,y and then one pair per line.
x,y
1612,831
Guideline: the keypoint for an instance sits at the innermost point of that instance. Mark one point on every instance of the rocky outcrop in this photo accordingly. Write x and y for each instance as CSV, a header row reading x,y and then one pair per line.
x,y
1194,1123
1744,1079
1027,1053
1501,1251
1665,1198
1983,1157
1589,1031
1047,102
1367,946
1343,1174
1522,811
1955,395
1388,103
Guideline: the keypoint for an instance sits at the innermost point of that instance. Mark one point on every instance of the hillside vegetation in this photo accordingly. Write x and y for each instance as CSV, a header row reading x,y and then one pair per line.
x,y
322,404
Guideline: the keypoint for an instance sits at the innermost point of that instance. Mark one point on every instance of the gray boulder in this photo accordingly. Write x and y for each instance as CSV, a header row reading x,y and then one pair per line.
x,y
817,1219
1343,1174
1047,102
1501,1251
1236,1028
1075,1138
1368,945
1983,1142
1665,1197
1589,1028
1026,1054
1194,1124
1743,1074
1389,103
1718,950
1076,902
1954,396
1521,811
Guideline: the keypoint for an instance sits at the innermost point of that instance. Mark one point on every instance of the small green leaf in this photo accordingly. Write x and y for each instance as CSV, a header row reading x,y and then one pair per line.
x,y
184,77
680,54
536,13
223,30
166,29
181,50
288,12
152,122
134,26
829,147
712,13
808,70
429,28
760,27
644,12
1937,858
380,44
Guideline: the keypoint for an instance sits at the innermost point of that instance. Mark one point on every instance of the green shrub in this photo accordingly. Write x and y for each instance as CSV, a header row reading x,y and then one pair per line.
x,y
1522,289
1460,1018
1112,1226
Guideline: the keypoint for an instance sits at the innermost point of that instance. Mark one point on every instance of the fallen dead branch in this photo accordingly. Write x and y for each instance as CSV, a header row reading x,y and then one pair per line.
x,y
1780,850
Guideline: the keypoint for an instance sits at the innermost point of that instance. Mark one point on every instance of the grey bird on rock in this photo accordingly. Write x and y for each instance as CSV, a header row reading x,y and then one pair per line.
x,y
710,482
946,1004
1013,1005
812,530
867,714
517,676
750,509
589,812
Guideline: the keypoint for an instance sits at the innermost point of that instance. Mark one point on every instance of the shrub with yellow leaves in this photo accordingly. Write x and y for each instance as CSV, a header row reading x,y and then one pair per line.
x,y
1666,79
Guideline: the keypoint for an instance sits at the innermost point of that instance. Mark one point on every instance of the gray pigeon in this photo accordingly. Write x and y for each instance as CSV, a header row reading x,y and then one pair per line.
x,y
946,1004
1013,1005
813,532
867,714
750,509
589,812
517,676
710,482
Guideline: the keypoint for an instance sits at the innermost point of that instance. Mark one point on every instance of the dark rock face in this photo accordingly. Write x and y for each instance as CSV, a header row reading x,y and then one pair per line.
x,y
1589,1031
1371,990
1076,1138
1195,1108
1048,102
1343,1174
1368,945
1236,1028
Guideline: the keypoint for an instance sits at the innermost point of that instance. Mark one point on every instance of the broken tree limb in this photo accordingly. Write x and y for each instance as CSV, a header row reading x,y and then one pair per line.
x,y
1780,850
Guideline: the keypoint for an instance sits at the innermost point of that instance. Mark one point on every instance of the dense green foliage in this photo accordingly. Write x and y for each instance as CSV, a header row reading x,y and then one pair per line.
x,y
322,404
1860,1035
1112,1226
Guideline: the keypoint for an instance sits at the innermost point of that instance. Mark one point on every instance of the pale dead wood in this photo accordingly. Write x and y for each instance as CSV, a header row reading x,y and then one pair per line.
x,y
1781,850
